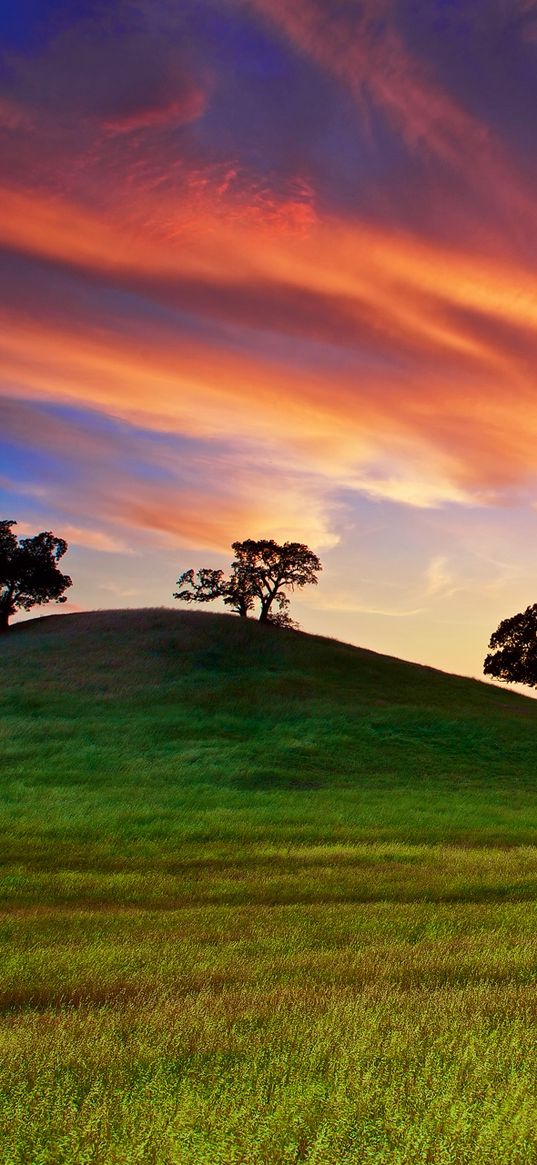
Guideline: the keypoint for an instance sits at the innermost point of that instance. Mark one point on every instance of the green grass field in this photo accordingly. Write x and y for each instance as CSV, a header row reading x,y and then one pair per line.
x,y
265,898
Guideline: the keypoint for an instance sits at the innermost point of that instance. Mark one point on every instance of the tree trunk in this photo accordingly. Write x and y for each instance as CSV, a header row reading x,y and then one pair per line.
x,y
4,620
267,602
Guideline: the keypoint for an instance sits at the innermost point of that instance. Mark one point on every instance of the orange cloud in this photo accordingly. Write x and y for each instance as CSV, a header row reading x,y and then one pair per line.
x,y
423,390
197,519
361,264
79,536
203,495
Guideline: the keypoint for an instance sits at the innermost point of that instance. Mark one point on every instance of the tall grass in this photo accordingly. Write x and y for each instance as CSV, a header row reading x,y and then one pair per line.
x,y
264,898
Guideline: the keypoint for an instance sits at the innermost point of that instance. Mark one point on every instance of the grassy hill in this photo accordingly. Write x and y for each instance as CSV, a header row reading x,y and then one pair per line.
x,y
265,897
143,728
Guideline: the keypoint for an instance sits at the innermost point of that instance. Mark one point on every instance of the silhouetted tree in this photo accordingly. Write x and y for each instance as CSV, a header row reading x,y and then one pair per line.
x,y
207,585
261,572
514,656
29,574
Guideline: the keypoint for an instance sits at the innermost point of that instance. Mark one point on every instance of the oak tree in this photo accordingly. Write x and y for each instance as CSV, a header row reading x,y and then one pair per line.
x,y
261,574
29,574
514,655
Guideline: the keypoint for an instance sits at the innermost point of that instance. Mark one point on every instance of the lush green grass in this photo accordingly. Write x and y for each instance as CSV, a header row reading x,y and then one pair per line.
x,y
265,898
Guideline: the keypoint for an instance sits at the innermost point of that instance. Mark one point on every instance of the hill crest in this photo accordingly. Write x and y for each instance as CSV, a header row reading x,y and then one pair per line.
x,y
244,643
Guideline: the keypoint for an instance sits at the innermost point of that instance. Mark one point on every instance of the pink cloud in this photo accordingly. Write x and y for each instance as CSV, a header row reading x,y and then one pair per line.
x,y
363,48
176,112
90,539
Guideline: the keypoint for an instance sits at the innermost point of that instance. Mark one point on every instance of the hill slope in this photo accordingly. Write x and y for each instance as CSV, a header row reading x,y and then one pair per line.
x,y
225,935
147,727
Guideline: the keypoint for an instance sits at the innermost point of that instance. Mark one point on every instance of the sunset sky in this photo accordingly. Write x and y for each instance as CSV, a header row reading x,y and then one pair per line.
x,y
268,270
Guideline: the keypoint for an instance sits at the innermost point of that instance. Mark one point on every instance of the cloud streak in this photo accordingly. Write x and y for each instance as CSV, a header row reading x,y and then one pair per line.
x,y
393,336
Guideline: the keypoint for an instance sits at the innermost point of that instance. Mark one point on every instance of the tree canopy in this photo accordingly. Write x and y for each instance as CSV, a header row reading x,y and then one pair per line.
x,y
29,574
514,655
261,573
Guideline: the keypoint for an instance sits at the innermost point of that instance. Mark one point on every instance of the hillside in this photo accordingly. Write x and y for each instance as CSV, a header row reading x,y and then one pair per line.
x,y
158,725
264,897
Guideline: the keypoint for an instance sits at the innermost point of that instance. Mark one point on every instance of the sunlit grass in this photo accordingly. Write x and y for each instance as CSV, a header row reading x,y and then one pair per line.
x,y
263,899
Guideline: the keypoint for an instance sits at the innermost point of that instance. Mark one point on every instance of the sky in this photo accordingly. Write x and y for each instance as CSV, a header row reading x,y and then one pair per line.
x,y
268,270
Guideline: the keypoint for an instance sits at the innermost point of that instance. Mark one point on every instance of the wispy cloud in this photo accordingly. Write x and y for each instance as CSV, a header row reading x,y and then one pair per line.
x,y
394,337
91,539
439,578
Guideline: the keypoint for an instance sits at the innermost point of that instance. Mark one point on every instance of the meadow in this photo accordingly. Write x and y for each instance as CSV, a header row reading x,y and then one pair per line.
x,y
265,898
